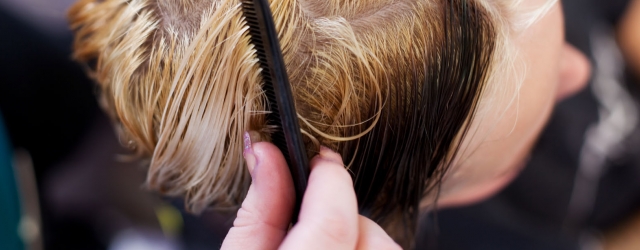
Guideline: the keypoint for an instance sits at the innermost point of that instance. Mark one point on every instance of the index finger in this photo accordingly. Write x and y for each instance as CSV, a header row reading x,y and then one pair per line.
x,y
329,212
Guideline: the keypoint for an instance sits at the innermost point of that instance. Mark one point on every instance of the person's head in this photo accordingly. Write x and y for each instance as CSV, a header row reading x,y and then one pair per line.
x,y
419,96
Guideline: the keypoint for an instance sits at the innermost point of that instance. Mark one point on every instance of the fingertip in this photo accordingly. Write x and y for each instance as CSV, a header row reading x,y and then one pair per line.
x,y
331,155
326,154
329,212
265,150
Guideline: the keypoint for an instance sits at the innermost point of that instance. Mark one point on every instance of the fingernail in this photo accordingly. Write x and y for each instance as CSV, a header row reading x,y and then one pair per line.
x,y
330,155
248,154
326,152
325,148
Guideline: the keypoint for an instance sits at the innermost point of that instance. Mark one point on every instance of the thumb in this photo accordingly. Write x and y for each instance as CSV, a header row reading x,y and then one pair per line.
x,y
263,220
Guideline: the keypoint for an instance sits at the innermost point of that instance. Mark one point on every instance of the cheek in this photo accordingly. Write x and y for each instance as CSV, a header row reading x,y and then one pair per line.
x,y
510,132
517,130
505,137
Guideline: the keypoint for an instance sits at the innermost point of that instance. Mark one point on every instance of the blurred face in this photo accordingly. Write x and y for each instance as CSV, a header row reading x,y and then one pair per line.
x,y
498,145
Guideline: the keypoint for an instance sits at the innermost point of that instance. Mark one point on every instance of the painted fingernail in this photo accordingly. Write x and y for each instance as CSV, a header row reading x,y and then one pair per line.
x,y
248,154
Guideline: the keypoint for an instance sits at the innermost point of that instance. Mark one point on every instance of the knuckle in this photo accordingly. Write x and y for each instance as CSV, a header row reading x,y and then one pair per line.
x,y
249,218
245,218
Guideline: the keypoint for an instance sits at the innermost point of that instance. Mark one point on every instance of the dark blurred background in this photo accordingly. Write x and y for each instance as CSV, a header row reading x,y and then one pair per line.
x,y
580,190
76,193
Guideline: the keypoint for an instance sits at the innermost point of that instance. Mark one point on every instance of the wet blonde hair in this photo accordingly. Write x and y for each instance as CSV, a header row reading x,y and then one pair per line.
x,y
181,81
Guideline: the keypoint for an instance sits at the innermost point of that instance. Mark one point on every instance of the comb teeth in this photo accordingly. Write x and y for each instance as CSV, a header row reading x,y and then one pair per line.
x,y
256,37
283,117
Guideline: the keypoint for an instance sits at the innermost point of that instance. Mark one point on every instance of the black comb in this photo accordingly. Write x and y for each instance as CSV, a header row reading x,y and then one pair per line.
x,y
283,116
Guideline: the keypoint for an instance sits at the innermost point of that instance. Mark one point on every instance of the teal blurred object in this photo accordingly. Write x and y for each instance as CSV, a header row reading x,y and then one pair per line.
x,y
9,198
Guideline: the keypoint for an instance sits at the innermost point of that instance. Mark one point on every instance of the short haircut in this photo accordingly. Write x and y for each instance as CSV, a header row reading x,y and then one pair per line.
x,y
392,85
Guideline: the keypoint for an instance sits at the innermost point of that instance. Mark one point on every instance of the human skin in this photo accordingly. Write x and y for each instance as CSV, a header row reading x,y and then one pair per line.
x,y
491,158
328,218
629,35
498,150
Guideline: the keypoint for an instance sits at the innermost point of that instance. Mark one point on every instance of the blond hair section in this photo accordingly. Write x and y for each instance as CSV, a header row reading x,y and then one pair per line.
x,y
181,80
181,94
